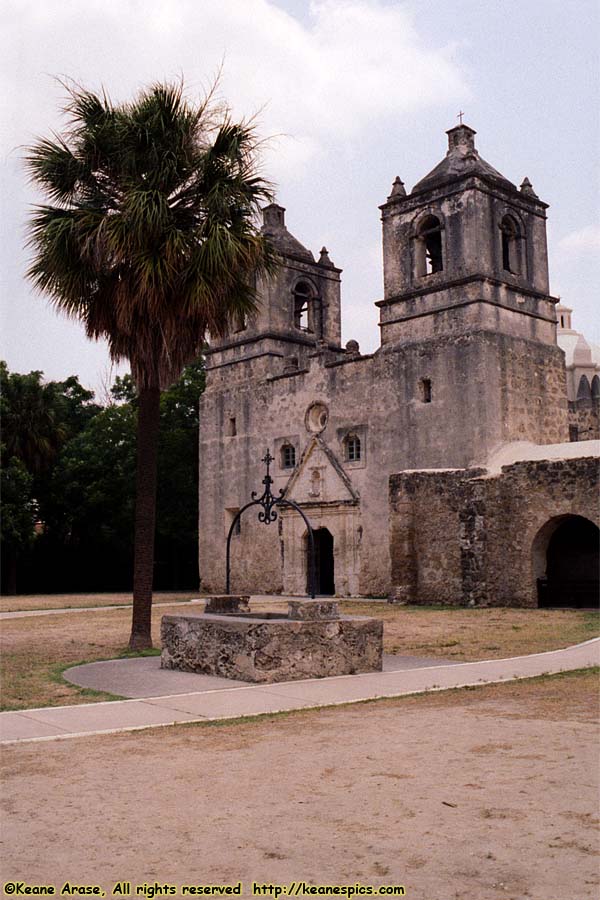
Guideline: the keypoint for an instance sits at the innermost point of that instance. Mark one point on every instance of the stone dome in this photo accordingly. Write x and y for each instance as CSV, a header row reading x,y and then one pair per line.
x,y
275,229
461,159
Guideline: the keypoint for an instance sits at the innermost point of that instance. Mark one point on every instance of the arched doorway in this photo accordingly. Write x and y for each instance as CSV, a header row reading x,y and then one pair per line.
x,y
566,562
324,563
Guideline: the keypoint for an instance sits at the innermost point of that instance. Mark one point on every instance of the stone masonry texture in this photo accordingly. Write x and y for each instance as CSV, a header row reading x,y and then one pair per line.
x,y
271,649
461,537
468,362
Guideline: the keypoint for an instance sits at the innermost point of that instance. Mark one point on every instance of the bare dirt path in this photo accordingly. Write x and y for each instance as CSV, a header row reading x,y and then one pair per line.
x,y
471,795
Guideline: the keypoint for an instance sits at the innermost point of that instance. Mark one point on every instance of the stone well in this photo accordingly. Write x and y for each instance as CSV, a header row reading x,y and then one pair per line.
x,y
312,641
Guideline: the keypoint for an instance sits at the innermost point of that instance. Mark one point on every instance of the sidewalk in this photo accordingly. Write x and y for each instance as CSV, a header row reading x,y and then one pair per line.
x,y
51,723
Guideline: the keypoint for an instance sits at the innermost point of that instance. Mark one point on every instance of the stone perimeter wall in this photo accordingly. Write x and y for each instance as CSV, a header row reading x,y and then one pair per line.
x,y
585,416
463,537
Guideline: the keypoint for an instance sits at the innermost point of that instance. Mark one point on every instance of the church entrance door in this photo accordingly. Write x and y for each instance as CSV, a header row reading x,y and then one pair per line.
x,y
572,565
324,564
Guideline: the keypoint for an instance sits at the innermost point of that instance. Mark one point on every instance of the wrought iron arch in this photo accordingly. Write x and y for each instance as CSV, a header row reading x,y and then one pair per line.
x,y
269,514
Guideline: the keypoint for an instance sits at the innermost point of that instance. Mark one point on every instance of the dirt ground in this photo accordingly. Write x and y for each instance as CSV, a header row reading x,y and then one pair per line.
x,y
471,795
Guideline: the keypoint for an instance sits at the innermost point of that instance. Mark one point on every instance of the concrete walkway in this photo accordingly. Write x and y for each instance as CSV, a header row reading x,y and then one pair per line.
x,y
51,723
143,677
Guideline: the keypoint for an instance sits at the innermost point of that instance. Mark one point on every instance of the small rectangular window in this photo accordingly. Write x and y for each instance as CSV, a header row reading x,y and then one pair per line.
x,y
231,427
426,394
573,433
352,446
288,456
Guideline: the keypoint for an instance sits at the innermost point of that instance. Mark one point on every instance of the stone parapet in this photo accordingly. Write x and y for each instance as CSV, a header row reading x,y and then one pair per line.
x,y
310,610
228,604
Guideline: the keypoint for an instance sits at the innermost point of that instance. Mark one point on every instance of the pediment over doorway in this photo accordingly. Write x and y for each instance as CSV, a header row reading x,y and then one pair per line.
x,y
320,477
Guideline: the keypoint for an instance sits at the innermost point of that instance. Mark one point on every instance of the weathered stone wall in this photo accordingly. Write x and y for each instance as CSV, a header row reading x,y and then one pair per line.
x,y
460,537
486,389
468,362
584,415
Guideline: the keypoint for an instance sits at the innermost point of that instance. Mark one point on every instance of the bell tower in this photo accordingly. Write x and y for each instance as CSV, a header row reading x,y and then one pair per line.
x,y
466,309
465,249
298,311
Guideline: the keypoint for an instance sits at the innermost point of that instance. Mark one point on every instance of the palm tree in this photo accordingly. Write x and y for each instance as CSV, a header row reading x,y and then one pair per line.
x,y
150,240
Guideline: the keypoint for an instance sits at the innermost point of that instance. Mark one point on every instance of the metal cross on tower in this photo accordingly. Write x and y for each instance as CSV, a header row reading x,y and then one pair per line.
x,y
460,115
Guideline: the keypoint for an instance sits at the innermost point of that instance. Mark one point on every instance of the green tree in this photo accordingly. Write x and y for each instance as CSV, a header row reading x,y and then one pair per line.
x,y
33,427
38,419
18,518
177,502
150,240
91,500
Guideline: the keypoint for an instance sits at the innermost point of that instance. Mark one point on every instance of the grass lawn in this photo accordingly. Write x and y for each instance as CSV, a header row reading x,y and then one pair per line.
x,y
83,601
468,634
36,649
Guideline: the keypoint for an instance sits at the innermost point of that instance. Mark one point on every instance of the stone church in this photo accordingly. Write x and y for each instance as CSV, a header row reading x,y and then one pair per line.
x,y
437,469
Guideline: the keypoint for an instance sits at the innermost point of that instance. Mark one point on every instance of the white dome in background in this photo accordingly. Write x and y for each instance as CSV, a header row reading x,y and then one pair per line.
x,y
577,349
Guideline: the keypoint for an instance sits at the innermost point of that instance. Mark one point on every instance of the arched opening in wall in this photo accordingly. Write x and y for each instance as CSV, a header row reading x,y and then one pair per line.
x,y
428,248
307,309
584,390
566,562
511,245
595,388
324,562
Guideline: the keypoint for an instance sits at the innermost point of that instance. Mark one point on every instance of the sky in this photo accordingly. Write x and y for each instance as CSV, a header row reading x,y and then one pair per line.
x,y
350,93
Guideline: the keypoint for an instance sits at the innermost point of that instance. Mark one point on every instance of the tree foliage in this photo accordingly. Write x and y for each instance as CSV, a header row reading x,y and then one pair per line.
x,y
84,501
38,419
150,240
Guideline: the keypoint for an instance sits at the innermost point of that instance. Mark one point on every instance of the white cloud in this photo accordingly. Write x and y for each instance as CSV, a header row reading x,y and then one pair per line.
x,y
355,62
580,242
322,83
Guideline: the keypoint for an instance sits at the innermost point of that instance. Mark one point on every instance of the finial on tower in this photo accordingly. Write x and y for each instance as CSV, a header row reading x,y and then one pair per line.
x,y
461,138
274,216
398,189
527,188
459,116
324,259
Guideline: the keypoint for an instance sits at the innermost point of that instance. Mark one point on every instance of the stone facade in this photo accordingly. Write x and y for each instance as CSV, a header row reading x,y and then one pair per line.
x,y
468,361
479,538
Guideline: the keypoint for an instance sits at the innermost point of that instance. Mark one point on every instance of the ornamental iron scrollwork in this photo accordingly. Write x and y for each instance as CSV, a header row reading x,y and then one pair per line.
x,y
269,504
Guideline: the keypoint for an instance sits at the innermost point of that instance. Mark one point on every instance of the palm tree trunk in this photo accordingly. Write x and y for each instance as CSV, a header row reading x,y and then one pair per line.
x,y
145,517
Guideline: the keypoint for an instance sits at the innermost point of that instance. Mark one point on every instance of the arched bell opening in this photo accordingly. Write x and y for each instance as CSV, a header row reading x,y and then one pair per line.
x,y
511,245
566,562
429,254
